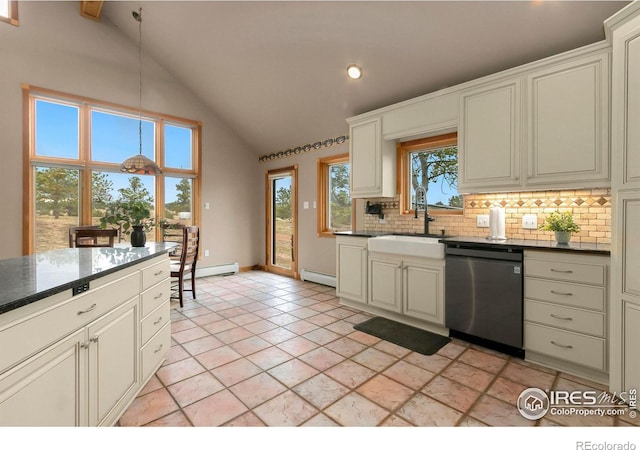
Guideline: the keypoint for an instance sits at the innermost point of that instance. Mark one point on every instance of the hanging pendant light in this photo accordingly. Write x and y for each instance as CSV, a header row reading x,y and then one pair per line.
x,y
139,164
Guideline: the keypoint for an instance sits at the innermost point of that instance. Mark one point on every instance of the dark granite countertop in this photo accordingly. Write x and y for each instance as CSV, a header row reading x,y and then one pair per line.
x,y
27,279
602,249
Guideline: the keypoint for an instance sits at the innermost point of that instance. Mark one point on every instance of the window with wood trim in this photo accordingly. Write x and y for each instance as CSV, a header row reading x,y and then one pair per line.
x,y
9,11
74,147
335,210
431,163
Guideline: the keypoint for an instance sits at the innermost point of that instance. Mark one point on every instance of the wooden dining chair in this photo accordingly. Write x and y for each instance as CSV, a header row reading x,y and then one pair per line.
x,y
95,237
72,233
187,263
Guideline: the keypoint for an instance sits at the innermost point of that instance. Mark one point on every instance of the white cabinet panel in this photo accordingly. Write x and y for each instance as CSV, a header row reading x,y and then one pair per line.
x,y
629,205
385,283
631,336
489,137
351,282
48,389
423,292
568,121
632,113
372,161
113,360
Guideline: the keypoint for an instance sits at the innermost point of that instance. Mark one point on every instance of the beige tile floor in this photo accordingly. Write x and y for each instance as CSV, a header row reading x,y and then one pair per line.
x,y
257,349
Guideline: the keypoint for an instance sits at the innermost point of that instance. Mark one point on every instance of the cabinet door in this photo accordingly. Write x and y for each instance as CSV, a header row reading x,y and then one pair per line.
x,y
47,389
423,292
352,271
627,100
385,283
372,161
489,138
113,361
631,336
568,124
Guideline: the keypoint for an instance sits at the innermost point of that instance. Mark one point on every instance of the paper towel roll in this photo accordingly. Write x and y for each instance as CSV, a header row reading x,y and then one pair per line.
x,y
497,223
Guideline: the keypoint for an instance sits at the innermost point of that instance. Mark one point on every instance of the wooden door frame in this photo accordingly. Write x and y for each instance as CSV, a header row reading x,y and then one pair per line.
x,y
269,267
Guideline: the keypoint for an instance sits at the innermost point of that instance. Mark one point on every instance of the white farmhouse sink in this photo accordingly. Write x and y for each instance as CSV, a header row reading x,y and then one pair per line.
x,y
421,246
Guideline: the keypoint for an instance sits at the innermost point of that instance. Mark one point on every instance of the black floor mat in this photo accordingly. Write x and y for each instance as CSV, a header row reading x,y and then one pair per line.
x,y
412,338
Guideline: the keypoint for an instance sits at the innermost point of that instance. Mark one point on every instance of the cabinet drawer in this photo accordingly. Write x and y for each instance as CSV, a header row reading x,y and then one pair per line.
x,y
566,271
155,321
155,273
155,350
577,348
567,294
563,317
155,296
23,338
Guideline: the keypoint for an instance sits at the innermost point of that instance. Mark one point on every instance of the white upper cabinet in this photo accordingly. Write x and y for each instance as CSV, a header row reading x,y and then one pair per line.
x,y
489,137
373,168
567,114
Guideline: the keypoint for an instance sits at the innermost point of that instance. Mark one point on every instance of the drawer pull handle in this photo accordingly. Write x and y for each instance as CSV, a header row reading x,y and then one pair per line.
x,y
561,293
560,345
158,296
84,345
89,309
561,271
159,272
561,318
159,348
94,339
158,321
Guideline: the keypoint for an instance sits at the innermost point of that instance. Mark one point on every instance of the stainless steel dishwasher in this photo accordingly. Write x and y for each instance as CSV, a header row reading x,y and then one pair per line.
x,y
483,295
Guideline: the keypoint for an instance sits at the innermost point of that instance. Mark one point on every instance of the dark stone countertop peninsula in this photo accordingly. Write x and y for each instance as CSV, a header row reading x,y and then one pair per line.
x,y
27,279
601,249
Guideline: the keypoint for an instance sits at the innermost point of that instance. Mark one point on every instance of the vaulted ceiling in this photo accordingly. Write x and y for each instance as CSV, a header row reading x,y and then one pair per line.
x,y
275,72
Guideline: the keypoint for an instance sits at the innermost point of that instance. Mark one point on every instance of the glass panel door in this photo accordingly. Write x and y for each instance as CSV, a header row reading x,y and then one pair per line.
x,y
281,219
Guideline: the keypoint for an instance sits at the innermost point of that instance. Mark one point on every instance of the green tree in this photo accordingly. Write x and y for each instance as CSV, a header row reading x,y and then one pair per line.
x,y
136,192
430,166
133,207
183,198
283,203
340,199
57,191
456,201
101,188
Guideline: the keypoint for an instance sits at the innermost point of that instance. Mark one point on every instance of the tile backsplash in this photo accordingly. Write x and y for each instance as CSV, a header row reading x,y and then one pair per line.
x,y
591,209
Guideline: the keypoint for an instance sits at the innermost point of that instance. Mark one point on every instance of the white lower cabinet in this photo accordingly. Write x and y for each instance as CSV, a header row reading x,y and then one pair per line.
x,y
385,282
351,264
565,312
113,362
93,364
48,389
412,287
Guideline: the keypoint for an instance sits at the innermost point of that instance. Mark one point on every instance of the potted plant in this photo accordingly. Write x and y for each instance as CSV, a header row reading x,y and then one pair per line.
x,y
562,224
132,217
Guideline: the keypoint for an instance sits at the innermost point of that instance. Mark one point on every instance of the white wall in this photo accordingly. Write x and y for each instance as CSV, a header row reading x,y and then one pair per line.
x,y
315,253
55,48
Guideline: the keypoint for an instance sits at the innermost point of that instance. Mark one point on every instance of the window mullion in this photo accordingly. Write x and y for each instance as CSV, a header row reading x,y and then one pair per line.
x,y
85,173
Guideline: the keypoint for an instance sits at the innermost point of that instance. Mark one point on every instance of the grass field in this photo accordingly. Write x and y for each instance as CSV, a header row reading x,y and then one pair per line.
x,y
284,229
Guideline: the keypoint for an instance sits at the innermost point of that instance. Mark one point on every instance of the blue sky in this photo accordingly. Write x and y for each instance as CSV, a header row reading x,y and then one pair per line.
x,y
114,138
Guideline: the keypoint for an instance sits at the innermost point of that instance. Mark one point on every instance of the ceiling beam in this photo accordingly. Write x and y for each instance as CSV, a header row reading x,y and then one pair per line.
x,y
91,9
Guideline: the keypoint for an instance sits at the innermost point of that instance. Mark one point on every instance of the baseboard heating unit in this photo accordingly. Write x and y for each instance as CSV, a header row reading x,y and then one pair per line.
x,y
223,269
317,277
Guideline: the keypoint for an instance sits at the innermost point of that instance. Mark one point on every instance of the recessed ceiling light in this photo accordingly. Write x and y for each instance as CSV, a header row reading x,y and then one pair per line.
x,y
354,71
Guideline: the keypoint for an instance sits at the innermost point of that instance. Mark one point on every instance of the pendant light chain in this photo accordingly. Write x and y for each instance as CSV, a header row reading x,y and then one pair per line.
x,y
140,78
140,164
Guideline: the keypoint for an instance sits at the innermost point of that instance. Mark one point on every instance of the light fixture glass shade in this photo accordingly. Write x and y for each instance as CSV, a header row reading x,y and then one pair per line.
x,y
141,165
354,71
